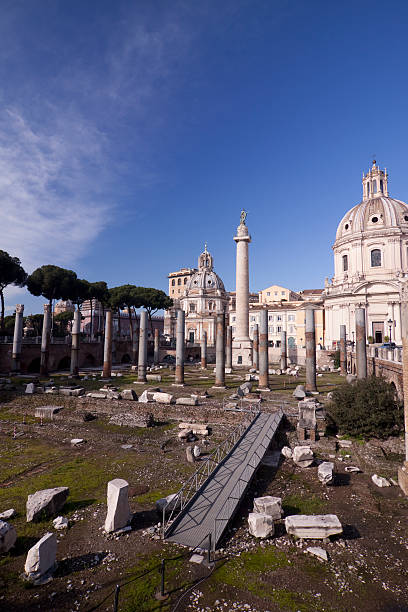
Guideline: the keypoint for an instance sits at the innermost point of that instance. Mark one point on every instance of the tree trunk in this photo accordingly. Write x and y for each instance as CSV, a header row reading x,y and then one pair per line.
x,y
2,312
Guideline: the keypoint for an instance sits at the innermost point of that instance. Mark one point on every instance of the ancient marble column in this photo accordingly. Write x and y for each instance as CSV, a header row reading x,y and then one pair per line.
x,y
107,347
135,342
263,351
361,348
403,470
220,351
228,350
156,356
204,350
75,334
284,355
310,350
142,362
255,348
180,347
17,339
343,357
45,340
242,346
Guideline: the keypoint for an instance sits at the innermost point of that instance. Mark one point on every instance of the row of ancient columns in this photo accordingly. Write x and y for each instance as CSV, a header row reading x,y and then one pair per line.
x,y
361,346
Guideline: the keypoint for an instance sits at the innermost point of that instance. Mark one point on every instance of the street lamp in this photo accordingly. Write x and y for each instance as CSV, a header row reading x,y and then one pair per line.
x,y
390,327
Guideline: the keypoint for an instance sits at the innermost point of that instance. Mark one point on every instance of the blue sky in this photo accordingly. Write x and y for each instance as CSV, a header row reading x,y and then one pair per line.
x,y
131,132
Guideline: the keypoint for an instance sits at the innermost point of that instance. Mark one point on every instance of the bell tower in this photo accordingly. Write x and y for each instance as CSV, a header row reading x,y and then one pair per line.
x,y
375,182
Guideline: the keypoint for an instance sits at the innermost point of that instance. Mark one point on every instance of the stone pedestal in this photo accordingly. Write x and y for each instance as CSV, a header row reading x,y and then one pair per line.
x,y
242,345
118,514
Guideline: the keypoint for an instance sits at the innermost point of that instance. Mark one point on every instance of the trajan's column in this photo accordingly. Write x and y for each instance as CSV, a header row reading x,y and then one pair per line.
x,y
242,345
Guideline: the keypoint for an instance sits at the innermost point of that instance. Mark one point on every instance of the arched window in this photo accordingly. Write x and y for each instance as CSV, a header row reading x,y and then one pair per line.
x,y
185,280
179,281
345,263
381,185
368,189
375,258
374,187
173,282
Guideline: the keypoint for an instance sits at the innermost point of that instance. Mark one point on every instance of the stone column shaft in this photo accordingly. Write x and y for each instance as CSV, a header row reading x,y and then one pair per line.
x,y
284,355
17,339
204,350
45,340
403,470
255,348
156,357
310,350
361,348
142,362
180,347
75,334
263,351
242,291
343,357
107,347
228,348
220,351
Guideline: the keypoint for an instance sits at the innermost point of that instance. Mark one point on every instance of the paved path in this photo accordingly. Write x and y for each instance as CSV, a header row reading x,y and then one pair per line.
x,y
215,503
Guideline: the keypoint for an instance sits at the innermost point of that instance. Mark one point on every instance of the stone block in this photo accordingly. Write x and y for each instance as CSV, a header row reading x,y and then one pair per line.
x,y
41,558
8,537
60,523
287,452
189,455
318,552
118,514
146,397
47,412
163,398
380,481
245,388
184,434
77,392
299,392
171,502
45,503
129,394
7,514
325,472
260,525
132,419
154,377
30,388
303,456
186,401
272,506
318,526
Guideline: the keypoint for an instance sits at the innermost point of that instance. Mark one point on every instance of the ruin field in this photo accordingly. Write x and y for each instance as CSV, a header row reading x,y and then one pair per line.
x,y
366,567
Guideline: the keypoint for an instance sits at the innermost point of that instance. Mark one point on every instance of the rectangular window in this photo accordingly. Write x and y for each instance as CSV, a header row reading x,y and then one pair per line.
x,y
276,293
279,318
270,330
278,329
282,293
270,318
268,293
252,318
233,319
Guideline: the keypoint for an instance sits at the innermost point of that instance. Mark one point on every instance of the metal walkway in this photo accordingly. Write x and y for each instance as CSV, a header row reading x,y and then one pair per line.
x,y
214,504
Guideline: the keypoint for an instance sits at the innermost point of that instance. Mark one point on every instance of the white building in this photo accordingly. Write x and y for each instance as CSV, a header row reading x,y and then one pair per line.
x,y
370,264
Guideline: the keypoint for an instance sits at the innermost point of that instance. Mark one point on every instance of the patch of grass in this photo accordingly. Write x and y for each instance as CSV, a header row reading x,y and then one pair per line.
x,y
19,455
151,496
244,572
297,504
296,602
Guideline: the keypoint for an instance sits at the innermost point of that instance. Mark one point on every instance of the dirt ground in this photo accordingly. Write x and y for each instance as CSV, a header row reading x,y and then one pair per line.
x,y
367,566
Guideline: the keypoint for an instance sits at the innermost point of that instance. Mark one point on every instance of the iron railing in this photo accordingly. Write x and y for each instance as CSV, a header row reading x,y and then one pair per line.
x,y
209,464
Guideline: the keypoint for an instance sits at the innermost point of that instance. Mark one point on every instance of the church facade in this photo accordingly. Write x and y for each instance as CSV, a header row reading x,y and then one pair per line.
x,y
370,265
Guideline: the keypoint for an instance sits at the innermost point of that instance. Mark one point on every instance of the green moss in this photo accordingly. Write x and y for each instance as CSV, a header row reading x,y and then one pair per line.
x,y
21,455
297,504
296,602
151,496
246,571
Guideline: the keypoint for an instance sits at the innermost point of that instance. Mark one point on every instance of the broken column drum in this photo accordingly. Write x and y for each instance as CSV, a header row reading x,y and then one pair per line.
x,y
107,347
156,358
284,357
255,348
142,361
310,350
45,340
220,351
18,333
343,359
263,350
228,348
180,344
361,349
76,331
204,350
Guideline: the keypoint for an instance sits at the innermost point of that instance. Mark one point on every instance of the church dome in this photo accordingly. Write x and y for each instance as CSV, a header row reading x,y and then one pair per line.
x,y
377,211
205,279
